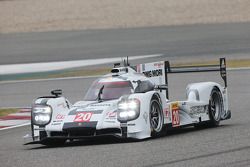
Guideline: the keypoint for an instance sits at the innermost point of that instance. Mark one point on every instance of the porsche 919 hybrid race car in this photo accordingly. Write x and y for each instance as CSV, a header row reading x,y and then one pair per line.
x,y
130,102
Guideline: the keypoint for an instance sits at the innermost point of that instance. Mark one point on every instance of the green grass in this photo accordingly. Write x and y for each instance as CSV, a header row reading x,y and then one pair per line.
x,y
230,63
239,63
4,112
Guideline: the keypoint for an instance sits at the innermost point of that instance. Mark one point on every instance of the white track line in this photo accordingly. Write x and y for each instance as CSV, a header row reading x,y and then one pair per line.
x,y
239,68
13,122
49,79
20,114
61,65
17,126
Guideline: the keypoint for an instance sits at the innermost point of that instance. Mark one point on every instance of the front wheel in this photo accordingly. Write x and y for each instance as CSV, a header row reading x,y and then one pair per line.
x,y
155,117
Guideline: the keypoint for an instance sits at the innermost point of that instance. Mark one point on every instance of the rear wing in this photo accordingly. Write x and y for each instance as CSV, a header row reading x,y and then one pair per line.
x,y
158,71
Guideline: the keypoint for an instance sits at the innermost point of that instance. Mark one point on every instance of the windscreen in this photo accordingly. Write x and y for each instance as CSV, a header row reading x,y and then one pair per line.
x,y
110,90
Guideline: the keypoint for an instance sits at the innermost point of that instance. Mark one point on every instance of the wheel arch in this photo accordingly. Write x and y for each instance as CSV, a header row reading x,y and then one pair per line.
x,y
142,122
201,91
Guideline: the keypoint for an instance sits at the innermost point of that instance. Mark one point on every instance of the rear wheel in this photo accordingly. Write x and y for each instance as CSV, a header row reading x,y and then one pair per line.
x,y
155,117
215,107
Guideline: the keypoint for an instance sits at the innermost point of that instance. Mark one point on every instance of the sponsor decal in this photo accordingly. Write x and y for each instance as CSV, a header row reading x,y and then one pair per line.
x,y
153,73
158,65
56,123
143,67
100,105
175,105
83,117
175,114
196,110
111,115
145,116
110,122
74,112
138,68
166,111
60,116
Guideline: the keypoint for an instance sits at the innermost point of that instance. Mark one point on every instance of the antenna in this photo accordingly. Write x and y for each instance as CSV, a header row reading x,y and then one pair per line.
x,y
127,62
124,62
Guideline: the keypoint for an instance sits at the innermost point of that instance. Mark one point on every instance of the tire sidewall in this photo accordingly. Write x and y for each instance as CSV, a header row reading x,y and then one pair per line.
x,y
213,121
155,99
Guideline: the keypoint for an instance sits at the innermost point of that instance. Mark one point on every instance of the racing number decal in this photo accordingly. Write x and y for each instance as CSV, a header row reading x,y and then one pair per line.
x,y
83,117
175,115
175,118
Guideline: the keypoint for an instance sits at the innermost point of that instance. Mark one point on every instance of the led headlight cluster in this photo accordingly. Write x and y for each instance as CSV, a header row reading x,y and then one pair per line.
x,y
128,110
41,114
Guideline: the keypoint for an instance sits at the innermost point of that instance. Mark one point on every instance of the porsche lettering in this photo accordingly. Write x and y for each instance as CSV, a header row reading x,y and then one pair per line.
x,y
153,73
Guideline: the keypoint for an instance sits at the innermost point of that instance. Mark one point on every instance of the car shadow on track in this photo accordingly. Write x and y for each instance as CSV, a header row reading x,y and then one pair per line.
x,y
89,142
189,130
113,140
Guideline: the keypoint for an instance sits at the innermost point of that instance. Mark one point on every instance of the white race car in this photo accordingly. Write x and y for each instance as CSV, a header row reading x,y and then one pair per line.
x,y
130,102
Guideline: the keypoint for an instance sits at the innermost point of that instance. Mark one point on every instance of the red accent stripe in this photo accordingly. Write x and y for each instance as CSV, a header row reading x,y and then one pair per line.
x,y
3,127
115,83
13,117
24,111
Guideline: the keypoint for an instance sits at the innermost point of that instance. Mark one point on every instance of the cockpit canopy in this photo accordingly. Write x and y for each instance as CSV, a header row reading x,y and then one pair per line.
x,y
111,90
112,86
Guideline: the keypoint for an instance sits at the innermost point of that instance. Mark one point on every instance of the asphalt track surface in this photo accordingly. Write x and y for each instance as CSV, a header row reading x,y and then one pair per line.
x,y
226,145
174,41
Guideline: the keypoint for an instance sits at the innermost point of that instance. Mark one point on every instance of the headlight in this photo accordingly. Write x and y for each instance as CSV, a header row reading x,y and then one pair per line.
x,y
128,110
41,115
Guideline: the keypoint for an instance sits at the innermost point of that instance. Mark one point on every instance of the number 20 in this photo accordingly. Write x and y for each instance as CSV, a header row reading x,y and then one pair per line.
x,y
83,117
175,118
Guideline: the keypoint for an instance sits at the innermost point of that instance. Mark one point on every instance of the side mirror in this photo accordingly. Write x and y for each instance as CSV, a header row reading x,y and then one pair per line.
x,y
57,92
161,87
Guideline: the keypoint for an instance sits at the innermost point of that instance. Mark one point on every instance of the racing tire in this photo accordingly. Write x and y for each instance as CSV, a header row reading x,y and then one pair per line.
x,y
215,107
155,117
